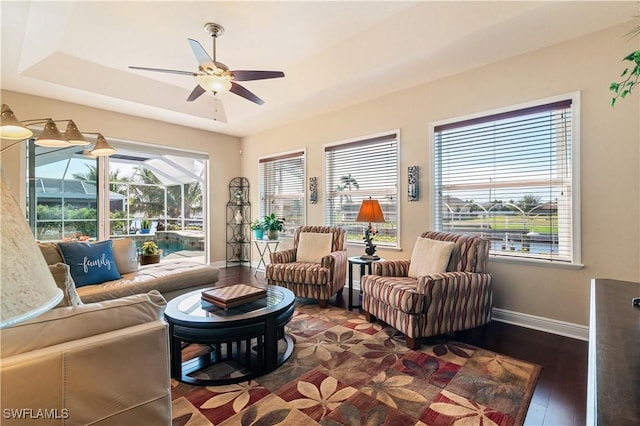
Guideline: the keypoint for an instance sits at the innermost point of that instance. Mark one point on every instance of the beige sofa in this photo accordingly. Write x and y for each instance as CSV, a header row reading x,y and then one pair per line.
x,y
103,363
170,278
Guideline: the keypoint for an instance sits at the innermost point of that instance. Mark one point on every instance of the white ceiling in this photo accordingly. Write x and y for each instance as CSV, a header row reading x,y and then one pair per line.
x,y
333,54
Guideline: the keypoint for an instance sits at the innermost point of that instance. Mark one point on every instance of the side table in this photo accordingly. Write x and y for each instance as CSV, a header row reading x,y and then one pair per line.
x,y
264,248
356,260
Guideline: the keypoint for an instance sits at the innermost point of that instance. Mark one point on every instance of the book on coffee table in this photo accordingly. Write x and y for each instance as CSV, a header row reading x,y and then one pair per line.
x,y
233,295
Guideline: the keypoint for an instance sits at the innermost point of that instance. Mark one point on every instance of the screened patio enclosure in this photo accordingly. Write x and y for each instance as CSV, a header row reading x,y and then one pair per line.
x,y
140,190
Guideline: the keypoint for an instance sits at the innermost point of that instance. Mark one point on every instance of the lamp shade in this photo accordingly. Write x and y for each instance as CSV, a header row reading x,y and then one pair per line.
x,y
10,127
73,135
102,147
51,136
370,211
27,288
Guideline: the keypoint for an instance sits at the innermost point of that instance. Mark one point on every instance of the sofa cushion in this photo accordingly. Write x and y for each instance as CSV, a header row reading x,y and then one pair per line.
x,y
62,277
77,322
429,257
51,253
125,255
313,246
167,276
90,263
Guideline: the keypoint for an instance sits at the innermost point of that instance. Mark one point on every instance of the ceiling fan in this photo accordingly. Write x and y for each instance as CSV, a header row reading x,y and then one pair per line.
x,y
214,76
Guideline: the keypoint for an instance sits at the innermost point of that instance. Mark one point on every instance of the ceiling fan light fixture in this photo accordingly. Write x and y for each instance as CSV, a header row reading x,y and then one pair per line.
x,y
73,135
51,136
214,83
10,127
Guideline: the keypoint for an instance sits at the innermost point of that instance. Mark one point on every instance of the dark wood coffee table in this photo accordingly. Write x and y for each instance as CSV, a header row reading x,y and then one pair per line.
x,y
239,343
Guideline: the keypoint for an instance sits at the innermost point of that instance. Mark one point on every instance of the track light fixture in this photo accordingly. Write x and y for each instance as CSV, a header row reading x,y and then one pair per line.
x,y
13,129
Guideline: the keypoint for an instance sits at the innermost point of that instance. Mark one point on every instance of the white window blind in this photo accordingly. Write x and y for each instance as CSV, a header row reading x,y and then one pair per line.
x,y
356,171
282,188
508,177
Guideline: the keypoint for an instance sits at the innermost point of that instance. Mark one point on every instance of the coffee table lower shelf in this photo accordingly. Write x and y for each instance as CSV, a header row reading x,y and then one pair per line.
x,y
245,358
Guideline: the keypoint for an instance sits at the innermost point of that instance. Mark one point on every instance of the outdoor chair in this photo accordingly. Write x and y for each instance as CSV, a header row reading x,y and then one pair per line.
x,y
315,267
423,303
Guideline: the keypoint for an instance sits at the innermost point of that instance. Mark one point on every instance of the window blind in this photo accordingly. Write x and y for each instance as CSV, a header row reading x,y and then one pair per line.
x,y
508,177
282,188
356,171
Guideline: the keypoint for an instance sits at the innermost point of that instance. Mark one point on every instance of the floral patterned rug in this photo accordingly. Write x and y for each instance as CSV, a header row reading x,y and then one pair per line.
x,y
345,371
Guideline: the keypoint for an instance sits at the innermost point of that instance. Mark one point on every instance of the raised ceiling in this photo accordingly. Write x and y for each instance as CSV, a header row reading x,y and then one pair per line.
x,y
333,54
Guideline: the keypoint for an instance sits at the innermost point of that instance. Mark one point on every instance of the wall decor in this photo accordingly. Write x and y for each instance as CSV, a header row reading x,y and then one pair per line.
x,y
313,190
413,188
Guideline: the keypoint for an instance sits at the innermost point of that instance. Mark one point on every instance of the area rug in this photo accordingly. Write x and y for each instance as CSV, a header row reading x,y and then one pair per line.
x,y
346,371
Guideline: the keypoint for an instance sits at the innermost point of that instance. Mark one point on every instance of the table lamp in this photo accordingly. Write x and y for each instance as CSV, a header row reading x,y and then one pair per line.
x,y
370,212
27,288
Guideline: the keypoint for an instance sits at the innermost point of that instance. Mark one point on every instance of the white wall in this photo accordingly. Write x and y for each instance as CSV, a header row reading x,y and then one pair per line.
x,y
223,150
610,161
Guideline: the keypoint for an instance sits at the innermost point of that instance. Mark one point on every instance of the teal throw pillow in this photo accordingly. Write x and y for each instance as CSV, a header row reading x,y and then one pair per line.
x,y
90,263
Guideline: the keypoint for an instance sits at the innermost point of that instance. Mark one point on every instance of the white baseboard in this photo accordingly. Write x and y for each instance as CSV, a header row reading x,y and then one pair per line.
x,y
562,328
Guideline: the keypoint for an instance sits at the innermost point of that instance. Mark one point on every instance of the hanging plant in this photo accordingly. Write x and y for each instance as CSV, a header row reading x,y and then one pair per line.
x,y
630,75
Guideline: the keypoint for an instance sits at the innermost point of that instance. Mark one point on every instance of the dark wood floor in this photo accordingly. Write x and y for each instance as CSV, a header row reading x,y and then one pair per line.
x,y
560,395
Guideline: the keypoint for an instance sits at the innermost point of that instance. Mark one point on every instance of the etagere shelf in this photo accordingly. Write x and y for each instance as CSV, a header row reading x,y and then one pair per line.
x,y
238,220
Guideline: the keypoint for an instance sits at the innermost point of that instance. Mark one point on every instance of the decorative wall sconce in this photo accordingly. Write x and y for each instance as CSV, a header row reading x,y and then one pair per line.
x,y
313,190
13,129
413,187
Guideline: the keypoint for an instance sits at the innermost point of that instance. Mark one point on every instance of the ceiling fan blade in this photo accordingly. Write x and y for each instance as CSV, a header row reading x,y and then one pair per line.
x,y
245,93
244,75
191,73
218,112
203,58
195,93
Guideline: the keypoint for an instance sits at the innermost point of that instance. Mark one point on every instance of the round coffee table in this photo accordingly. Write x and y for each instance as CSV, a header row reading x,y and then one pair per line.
x,y
244,339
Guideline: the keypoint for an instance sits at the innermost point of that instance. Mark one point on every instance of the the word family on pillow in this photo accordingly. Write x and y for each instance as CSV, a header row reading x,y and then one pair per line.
x,y
429,257
90,263
313,246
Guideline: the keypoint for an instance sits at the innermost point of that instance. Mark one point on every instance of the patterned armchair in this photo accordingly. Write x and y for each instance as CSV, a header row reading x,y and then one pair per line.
x,y
313,280
430,305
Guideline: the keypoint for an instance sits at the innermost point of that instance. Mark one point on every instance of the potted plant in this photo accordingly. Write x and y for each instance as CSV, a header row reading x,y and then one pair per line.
x,y
273,226
150,253
257,226
145,226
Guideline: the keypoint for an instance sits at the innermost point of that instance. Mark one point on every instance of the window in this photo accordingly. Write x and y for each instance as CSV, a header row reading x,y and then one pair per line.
x,y
72,196
509,177
282,188
358,170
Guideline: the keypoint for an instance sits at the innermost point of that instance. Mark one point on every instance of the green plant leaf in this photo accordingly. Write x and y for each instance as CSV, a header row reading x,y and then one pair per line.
x,y
614,87
624,72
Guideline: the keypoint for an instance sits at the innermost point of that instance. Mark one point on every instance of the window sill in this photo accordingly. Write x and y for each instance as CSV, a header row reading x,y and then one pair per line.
x,y
535,262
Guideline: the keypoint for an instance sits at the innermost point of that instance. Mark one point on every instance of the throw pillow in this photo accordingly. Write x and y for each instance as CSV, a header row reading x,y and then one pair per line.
x,y
51,253
313,246
429,257
90,263
62,277
125,255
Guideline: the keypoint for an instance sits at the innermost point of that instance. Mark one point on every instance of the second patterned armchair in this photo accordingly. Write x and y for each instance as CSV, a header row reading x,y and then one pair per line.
x,y
316,266
421,302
